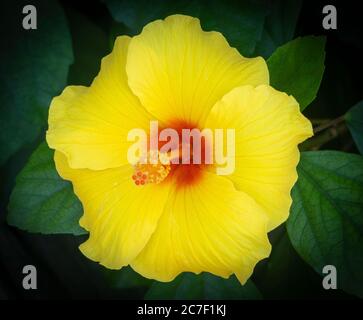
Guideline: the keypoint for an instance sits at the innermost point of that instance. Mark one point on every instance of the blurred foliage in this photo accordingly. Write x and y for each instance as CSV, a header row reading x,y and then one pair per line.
x,y
243,27
354,118
203,286
325,226
90,45
279,25
34,70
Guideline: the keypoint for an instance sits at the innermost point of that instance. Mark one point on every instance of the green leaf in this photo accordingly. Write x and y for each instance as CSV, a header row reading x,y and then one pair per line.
x,y
279,26
354,118
241,22
297,68
41,200
34,69
136,14
326,221
203,286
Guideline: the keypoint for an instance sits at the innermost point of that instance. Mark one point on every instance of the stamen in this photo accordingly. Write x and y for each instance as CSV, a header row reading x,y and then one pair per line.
x,y
146,173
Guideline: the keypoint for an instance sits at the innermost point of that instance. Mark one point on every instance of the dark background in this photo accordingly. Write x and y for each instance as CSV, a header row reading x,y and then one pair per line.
x,y
65,273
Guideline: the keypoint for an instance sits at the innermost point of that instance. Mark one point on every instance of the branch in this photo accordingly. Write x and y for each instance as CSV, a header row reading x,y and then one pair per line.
x,y
329,124
315,142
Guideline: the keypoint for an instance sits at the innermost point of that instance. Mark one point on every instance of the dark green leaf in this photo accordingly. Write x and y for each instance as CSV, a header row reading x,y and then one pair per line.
x,y
297,68
241,22
326,221
34,69
41,200
279,26
203,286
136,14
354,118
116,29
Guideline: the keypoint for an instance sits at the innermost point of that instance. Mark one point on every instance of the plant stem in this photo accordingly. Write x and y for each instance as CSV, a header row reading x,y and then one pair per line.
x,y
329,124
315,142
318,121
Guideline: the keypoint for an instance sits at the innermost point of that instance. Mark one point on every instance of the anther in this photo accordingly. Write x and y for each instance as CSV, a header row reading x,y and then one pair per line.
x,y
146,173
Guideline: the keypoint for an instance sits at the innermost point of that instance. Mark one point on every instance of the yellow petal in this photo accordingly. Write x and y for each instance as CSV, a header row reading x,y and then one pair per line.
x,y
206,226
90,125
179,71
119,215
268,127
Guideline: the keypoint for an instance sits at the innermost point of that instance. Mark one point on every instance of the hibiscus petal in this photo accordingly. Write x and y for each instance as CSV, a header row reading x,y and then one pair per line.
x,y
207,226
90,125
119,215
268,127
179,71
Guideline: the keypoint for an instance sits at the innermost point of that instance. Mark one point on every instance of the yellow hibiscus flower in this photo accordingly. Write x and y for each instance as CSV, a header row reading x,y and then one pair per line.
x,y
188,218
